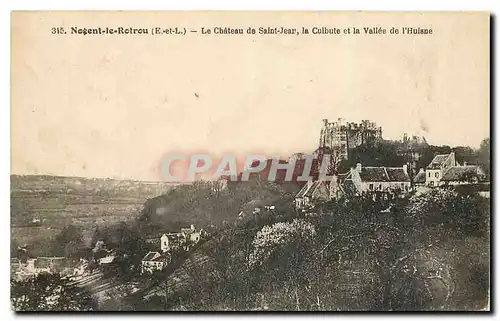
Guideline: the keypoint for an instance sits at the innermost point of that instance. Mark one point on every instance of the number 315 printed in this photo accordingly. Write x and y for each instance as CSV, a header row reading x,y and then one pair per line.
x,y
58,31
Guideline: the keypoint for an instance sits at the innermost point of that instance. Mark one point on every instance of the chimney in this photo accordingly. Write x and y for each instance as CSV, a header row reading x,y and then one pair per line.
x,y
405,168
421,170
358,167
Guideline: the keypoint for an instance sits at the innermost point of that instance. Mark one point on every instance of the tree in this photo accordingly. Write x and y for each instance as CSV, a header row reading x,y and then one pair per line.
x,y
75,249
50,292
443,258
68,242
483,155
278,237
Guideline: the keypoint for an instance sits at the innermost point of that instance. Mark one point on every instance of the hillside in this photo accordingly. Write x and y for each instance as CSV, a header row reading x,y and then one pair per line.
x,y
431,252
208,203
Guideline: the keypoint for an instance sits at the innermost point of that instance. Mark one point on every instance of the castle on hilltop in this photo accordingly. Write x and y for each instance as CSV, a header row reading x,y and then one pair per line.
x,y
340,136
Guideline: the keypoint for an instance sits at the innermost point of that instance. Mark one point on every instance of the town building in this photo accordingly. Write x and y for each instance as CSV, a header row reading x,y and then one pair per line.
x,y
185,239
312,192
171,242
370,180
154,261
191,236
444,170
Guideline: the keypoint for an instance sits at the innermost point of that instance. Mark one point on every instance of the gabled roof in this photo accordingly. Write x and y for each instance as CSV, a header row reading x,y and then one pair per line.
x,y
419,178
107,259
303,190
173,236
186,230
384,174
313,188
152,256
373,174
440,160
308,189
463,173
397,174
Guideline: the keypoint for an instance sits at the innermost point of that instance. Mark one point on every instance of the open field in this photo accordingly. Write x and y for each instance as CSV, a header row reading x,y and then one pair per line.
x,y
42,205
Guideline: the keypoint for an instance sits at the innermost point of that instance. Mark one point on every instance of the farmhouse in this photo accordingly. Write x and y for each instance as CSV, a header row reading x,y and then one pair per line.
x,y
310,192
444,170
154,261
380,179
185,239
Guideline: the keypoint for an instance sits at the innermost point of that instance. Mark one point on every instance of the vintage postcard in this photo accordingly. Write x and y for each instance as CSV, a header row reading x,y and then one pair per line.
x,y
250,161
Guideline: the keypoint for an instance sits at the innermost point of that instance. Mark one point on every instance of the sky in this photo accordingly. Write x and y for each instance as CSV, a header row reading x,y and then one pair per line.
x,y
114,106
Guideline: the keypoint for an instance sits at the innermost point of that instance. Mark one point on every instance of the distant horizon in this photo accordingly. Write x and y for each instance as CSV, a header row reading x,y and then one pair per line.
x,y
122,178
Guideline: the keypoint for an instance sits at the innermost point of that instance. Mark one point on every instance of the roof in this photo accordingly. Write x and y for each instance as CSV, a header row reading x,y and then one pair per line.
x,y
303,191
173,236
107,259
438,161
462,173
186,230
384,174
308,189
397,174
419,178
313,188
152,256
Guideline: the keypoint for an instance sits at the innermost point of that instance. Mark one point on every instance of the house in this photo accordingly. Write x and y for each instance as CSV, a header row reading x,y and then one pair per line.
x,y
191,236
341,185
463,175
444,170
154,261
185,239
310,192
380,179
371,180
171,242
436,168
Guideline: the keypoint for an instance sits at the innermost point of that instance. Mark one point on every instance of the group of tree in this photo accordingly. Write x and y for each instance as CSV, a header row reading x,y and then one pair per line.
x,y
49,292
430,252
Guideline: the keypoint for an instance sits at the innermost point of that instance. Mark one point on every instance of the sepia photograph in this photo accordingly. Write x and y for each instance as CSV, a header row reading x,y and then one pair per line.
x,y
312,161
